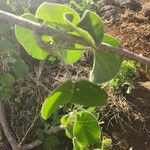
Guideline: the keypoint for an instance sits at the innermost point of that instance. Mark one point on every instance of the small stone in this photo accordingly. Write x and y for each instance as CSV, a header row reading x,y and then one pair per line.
x,y
147,12
109,12
134,5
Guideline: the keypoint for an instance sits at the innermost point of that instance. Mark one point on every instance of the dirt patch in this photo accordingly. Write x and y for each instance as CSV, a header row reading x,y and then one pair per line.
x,y
133,30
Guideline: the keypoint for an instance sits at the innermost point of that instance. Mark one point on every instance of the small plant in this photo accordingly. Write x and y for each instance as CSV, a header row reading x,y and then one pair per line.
x,y
81,126
81,5
125,75
12,66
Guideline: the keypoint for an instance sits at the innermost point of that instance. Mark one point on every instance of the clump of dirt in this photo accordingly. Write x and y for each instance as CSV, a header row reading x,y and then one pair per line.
x,y
133,30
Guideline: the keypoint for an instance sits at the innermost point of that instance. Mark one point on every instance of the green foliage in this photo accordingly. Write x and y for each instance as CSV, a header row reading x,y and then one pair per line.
x,y
106,65
7,80
54,13
125,75
80,92
81,5
76,144
83,128
5,93
12,66
20,68
92,23
51,142
27,40
106,144
86,129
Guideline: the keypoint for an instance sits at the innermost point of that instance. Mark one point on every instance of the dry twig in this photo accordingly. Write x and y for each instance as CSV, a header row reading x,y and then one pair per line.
x,y
41,29
7,131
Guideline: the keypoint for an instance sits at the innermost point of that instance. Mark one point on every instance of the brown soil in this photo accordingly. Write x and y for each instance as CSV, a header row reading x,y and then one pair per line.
x,y
130,120
126,116
133,30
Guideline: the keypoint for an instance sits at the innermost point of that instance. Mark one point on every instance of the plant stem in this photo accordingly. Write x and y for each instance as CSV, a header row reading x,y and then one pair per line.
x,y
4,123
74,39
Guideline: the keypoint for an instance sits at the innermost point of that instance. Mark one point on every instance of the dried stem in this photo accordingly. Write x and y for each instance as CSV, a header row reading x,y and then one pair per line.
x,y
7,131
31,126
41,29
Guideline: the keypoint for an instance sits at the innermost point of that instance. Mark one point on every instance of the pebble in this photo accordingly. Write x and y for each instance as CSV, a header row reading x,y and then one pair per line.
x,y
134,5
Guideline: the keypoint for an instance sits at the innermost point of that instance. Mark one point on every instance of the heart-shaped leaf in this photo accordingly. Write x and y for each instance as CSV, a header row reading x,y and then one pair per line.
x,y
54,13
7,80
92,23
88,94
27,40
86,129
106,65
60,96
80,92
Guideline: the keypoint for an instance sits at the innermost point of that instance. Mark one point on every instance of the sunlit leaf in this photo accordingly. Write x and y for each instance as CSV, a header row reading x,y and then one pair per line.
x,y
106,143
80,92
60,96
54,13
106,65
76,144
27,40
79,31
92,23
71,56
86,129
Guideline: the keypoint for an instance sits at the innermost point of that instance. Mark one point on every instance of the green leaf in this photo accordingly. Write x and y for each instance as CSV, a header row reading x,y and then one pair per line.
x,y
106,143
54,13
92,23
64,120
20,69
9,60
7,80
76,144
86,129
106,65
5,94
88,94
79,31
27,40
60,96
80,92
51,142
68,123
71,56
6,45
